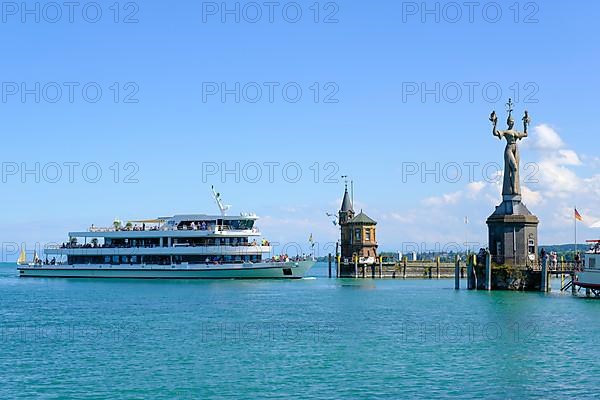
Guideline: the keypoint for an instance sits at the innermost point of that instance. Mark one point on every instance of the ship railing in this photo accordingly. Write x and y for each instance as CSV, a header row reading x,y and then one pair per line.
x,y
223,228
151,246
193,228
125,229
283,259
214,228
100,229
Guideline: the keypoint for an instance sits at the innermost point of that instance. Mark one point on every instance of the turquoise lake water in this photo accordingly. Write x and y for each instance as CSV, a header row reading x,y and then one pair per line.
x,y
313,338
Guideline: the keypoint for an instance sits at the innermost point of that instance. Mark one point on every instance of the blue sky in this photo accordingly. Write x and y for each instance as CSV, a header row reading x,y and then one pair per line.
x,y
367,128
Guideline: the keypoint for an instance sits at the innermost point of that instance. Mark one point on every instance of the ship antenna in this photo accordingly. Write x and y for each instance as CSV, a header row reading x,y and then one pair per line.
x,y
217,196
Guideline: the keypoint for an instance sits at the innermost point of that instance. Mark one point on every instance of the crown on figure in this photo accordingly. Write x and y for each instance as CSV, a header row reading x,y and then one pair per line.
x,y
509,108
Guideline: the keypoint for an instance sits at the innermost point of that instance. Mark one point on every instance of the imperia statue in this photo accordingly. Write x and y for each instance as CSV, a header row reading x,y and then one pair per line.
x,y
512,185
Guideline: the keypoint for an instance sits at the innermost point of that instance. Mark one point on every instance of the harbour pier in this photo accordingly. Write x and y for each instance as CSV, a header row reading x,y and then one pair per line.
x,y
403,269
485,273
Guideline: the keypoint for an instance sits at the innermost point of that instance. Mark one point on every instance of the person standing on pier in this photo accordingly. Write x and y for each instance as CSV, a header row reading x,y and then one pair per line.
x,y
554,261
577,260
542,255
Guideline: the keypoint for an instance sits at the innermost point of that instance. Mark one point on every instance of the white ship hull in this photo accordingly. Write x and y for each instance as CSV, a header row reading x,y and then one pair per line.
x,y
589,279
281,270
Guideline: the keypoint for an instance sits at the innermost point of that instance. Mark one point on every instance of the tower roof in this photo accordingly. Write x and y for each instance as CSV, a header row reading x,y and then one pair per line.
x,y
363,218
346,203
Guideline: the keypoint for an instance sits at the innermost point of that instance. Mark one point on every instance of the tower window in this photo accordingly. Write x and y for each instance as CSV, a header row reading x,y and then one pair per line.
x,y
357,234
368,235
531,245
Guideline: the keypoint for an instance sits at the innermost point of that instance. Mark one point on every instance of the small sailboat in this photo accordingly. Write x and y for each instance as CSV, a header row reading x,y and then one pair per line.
x,y
22,258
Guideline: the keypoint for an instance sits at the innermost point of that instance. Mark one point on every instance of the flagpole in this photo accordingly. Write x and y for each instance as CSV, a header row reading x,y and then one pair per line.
x,y
467,236
575,217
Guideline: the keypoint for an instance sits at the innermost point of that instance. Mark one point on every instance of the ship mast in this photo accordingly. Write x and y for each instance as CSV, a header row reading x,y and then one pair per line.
x,y
222,207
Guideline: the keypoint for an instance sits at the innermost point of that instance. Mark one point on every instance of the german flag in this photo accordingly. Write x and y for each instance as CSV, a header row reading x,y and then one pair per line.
x,y
578,216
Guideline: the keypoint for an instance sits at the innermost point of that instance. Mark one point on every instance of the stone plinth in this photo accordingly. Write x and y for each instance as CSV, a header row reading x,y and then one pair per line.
x,y
513,234
510,278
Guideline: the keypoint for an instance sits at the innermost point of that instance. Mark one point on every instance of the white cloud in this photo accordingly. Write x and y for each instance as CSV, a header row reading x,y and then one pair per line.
x,y
553,177
567,157
556,180
474,188
545,138
448,198
401,217
531,197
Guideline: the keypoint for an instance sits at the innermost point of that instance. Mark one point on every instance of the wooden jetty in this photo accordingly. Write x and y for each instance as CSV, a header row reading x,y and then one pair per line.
x,y
404,269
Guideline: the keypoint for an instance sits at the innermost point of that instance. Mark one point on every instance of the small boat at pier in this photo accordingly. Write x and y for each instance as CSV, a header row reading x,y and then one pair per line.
x,y
588,275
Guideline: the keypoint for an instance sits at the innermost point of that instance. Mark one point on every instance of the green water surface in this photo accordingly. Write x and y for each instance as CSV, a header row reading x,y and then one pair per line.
x,y
312,338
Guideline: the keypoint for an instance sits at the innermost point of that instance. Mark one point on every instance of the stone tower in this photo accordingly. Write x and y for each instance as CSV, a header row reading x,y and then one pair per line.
x,y
358,234
347,211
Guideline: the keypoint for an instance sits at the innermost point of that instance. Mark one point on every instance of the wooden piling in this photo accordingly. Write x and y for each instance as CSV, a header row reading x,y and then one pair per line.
x,y
457,274
337,272
437,267
470,271
544,278
356,267
380,267
562,271
404,261
330,265
488,271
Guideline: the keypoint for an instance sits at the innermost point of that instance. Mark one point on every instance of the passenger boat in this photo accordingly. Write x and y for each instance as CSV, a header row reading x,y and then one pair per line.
x,y
194,246
589,276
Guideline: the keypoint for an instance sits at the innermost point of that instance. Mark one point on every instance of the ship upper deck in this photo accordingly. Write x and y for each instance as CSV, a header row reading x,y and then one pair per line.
x,y
187,225
595,247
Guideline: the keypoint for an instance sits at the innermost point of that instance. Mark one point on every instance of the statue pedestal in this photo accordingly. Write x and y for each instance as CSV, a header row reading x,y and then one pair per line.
x,y
513,234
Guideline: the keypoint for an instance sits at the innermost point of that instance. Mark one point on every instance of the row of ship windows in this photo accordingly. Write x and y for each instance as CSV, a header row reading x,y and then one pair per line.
x,y
164,242
162,260
233,241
